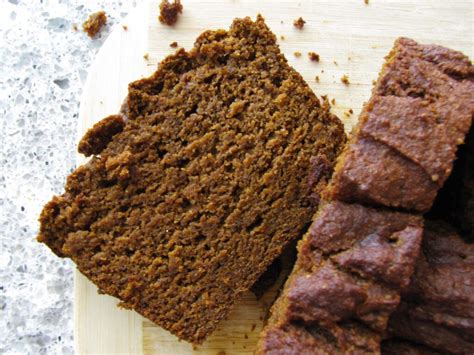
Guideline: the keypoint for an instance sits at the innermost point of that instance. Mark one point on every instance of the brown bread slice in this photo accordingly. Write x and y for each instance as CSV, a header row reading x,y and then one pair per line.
x,y
419,113
215,164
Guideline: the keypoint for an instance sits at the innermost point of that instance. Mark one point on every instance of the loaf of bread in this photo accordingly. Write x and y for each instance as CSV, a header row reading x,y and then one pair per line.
x,y
360,251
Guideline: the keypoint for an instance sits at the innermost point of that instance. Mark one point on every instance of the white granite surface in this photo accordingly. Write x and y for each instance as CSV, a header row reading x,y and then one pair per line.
x,y
43,65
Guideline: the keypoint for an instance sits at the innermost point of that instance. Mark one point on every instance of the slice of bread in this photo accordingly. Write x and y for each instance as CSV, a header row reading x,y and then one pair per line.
x,y
214,165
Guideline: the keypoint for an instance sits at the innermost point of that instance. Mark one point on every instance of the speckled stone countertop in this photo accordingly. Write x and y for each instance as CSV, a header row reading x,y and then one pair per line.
x,y
43,67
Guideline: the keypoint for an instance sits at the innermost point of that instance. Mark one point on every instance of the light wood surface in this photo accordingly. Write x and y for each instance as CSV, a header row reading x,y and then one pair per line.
x,y
351,37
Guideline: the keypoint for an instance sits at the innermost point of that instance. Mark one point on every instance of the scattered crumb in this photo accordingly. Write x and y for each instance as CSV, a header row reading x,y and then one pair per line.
x,y
169,12
348,58
297,54
260,318
345,79
317,78
74,27
348,113
233,342
299,23
146,56
222,352
282,37
244,347
94,23
333,101
374,82
281,22
335,63
253,327
314,57
322,70
195,347
174,44
125,27
366,2
246,336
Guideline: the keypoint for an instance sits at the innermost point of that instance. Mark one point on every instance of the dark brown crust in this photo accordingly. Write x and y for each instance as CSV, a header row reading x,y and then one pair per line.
x,y
169,12
403,347
351,265
375,174
438,308
216,169
434,87
94,23
96,138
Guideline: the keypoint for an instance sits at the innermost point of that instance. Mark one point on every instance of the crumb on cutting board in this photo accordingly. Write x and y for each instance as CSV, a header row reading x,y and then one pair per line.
x,y
333,102
299,23
94,23
345,79
146,56
282,37
169,11
174,44
366,2
316,78
74,27
297,54
313,56
125,27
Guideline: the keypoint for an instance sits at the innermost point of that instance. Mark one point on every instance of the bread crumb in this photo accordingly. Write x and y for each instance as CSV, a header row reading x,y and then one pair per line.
x,y
146,56
297,54
74,27
335,63
246,336
348,113
322,70
222,352
253,327
169,12
174,44
94,23
317,78
333,101
299,23
125,27
374,82
282,37
313,56
345,79
366,2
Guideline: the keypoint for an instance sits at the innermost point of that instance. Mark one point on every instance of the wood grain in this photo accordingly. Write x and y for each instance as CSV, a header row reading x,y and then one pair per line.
x,y
351,38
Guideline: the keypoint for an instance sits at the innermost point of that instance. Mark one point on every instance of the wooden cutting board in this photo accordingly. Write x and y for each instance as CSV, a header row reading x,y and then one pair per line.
x,y
350,36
